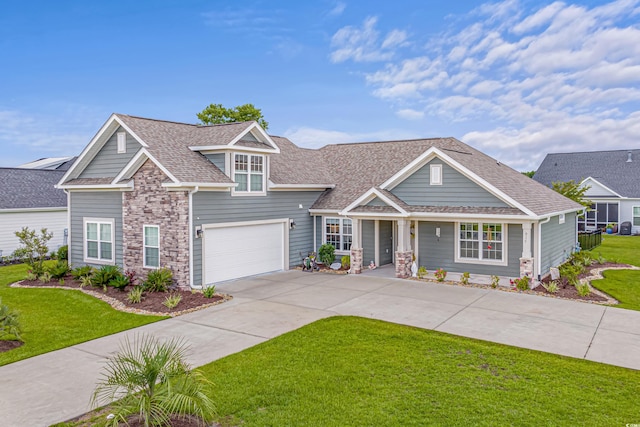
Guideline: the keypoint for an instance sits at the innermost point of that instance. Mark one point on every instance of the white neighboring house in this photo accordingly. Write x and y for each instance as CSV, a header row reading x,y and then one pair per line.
x,y
28,198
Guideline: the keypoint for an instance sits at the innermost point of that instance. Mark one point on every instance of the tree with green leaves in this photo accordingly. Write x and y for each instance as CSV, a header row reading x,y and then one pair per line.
x,y
33,248
572,190
528,173
151,381
217,114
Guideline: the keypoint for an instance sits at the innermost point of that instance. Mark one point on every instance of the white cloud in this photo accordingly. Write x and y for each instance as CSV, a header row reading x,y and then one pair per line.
x,y
534,75
316,138
361,44
410,114
338,9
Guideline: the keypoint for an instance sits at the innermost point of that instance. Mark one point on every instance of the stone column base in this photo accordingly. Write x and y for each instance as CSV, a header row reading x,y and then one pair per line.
x,y
526,267
403,264
356,261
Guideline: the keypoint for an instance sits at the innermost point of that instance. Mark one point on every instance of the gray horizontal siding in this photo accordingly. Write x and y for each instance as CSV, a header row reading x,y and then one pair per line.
x,y
437,252
456,190
218,207
558,242
108,162
98,204
217,159
376,202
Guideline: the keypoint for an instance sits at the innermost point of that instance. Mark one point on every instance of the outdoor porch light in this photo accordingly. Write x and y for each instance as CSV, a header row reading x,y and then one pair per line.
x,y
198,231
292,224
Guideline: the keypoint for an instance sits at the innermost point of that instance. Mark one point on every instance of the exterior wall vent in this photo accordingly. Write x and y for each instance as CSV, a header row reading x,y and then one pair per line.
x,y
629,160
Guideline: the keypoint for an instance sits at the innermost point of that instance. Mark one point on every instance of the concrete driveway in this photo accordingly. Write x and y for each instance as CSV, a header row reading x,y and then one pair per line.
x,y
57,386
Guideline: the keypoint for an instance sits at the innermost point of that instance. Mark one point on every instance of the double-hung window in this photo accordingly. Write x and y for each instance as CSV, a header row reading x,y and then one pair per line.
x,y
151,246
481,242
249,173
636,216
98,240
339,233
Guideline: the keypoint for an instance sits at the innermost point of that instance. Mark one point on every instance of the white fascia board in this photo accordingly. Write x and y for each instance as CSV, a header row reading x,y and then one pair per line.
x,y
257,128
375,214
211,149
28,210
434,152
132,133
601,185
370,195
132,167
324,211
100,187
475,217
202,186
90,150
301,187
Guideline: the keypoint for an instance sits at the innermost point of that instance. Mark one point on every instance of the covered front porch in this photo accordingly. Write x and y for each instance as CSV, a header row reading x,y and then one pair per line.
x,y
392,244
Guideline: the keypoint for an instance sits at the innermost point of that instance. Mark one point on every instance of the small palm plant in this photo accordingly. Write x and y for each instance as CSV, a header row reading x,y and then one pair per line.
x,y
9,322
152,381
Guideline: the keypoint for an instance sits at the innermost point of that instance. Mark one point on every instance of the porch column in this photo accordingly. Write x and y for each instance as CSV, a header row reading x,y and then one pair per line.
x,y
356,246
403,252
526,261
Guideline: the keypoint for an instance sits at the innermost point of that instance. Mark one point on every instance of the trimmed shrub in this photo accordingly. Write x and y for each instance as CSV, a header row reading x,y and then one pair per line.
x,y
105,274
63,253
159,280
59,270
119,282
79,272
326,253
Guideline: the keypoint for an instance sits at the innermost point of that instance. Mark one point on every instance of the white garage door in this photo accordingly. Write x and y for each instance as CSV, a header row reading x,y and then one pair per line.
x,y
243,249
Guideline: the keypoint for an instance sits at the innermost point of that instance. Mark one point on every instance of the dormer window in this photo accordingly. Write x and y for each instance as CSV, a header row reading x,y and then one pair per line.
x,y
248,170
122,142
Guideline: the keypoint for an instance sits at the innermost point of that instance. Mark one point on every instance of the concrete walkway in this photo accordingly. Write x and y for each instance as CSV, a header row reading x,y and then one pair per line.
x,y
57,386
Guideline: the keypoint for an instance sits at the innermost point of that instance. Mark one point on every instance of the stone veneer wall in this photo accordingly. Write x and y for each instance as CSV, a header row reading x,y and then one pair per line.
x,y
150,204
403,264
356,261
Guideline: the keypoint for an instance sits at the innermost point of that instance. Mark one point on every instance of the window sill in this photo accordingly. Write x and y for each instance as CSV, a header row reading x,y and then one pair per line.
x,y
99,261
480,262
248,193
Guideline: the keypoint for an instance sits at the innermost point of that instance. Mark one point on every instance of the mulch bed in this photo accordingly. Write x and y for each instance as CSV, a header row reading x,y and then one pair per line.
x,y
6,345
151,303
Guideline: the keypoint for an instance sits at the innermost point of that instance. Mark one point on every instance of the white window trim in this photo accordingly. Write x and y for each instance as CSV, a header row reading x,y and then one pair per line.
x,y
232,175
99,221
505,249
438,174
632,215
122,142
324,232
144,247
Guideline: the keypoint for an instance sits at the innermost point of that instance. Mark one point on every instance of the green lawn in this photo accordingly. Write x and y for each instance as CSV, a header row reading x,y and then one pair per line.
x,y
54,318
623,285
623,249
346,371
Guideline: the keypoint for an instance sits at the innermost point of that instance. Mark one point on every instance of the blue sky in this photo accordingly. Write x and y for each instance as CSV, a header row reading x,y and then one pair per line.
x,y
516,79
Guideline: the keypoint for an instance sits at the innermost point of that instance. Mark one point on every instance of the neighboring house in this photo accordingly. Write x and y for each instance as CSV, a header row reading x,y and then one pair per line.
x,y
613,178
220,202
28,198
50,163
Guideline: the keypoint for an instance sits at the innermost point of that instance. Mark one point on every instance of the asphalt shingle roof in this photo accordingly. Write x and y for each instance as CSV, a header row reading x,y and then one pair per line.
x,y
30,188
607,167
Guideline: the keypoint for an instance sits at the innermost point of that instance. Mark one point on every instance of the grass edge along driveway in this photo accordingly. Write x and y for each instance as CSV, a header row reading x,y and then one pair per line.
x,y
56,318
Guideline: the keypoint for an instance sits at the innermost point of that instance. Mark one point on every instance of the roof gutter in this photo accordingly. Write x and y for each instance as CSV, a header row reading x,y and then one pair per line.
x,y
539,254
191,193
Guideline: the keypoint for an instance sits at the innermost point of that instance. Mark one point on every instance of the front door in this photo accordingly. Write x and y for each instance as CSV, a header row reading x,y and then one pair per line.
x,y
386,242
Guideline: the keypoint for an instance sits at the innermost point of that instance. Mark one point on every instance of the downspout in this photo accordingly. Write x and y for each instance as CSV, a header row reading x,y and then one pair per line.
x,y
539,263
191,193
68,223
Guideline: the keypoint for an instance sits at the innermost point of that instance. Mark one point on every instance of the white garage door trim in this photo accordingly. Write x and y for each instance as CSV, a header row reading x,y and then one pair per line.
x,y
209,229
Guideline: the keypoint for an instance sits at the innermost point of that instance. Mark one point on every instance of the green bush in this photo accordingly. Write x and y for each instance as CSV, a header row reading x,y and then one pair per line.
x,y
495,281
63,253
119,282
551,287
105,274
45,277
440,274
159,280
33,248
521,283
79,272
135,295
59,270
464,279
9,322
326,253
209,291
583,289
172,300
346,262
422,271
570,272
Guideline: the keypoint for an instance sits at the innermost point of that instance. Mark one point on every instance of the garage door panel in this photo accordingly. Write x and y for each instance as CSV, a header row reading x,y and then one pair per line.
x,y
243,250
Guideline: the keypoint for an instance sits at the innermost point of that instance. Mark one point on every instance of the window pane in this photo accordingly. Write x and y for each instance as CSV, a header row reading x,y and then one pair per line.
x,y
152,257
92,249
346,226
92,231
151,237
105,250
346,243
256,163
241,163
241,179
256,182
105,232
612,210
